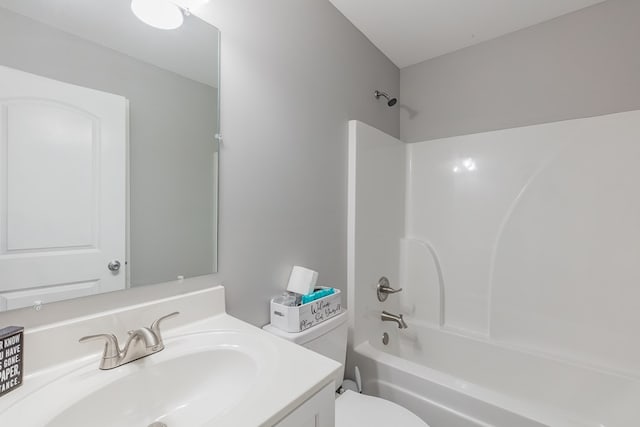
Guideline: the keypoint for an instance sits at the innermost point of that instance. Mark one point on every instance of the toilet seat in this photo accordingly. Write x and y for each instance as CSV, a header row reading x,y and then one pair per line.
x,y
355,409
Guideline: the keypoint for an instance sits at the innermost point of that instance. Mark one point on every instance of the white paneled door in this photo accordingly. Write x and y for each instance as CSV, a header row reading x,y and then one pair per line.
x,y
63,177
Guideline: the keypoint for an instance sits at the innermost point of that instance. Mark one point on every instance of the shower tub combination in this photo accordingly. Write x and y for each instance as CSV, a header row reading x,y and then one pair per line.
x,y
450,380
516,316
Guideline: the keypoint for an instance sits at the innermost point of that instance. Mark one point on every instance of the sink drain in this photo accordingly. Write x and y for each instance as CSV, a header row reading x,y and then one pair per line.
x,y
158,424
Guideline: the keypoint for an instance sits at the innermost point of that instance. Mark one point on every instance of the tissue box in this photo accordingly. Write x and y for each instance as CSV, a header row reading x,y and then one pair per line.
x,y
296,319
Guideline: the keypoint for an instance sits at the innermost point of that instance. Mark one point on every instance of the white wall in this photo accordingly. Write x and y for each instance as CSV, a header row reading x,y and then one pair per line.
x,y
293,73
579,65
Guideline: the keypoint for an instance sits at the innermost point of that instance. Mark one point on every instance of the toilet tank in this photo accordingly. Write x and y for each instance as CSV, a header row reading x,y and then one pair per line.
x,y
328,338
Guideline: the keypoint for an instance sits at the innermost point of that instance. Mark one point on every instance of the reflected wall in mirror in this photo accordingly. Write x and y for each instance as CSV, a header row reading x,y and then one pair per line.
x,y
108,150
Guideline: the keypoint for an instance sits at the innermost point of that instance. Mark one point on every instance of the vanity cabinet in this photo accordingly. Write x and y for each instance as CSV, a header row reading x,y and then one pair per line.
x,y
317,411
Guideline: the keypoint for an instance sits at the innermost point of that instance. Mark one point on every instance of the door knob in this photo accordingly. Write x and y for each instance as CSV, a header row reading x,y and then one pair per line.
x,y
114,265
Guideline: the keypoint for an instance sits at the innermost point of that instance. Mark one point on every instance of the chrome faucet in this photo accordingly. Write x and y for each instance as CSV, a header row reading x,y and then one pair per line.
x,y
399,319
141,343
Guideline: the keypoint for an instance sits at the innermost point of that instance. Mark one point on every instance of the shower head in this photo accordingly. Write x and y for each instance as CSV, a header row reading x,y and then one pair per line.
x,y
391,101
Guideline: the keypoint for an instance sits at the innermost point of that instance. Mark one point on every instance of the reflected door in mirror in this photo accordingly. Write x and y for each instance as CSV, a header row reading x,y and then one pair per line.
x,y
62,190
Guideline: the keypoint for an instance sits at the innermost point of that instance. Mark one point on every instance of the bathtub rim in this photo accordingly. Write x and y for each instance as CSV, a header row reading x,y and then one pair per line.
x,y
498,401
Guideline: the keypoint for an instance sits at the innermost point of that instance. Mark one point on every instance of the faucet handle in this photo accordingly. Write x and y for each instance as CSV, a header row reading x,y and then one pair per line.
x,y
155,326
111,347
384,289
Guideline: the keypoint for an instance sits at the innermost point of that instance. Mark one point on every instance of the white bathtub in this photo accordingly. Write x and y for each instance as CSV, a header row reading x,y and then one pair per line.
x,y
451,380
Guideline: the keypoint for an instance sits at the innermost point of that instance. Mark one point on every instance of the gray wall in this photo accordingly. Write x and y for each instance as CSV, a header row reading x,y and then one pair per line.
x,y
173,120
579,65
293,72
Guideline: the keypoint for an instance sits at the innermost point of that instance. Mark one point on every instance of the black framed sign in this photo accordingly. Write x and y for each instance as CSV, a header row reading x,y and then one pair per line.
x,y
11,348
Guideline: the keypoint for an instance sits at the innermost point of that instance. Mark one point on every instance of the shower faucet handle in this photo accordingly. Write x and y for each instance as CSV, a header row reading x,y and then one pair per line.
x,y
384,289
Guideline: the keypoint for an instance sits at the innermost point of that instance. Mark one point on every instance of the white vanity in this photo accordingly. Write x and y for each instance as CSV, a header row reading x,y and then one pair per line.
x,y
215,370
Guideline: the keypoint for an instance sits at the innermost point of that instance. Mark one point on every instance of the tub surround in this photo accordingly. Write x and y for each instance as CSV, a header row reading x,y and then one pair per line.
x,y
523,236
535,231
52,351
515,251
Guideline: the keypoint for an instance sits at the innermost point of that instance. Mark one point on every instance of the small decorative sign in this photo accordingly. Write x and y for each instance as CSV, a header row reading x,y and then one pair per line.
x,y
11,347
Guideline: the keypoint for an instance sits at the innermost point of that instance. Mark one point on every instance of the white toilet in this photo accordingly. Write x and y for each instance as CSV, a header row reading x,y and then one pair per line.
x,y
352,409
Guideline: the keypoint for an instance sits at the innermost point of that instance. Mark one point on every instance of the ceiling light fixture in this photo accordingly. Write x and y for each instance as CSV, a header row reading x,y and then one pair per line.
x,y
162,14
190,5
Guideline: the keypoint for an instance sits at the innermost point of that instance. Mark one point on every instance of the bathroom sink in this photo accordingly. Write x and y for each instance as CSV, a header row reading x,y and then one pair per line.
x,y
194,380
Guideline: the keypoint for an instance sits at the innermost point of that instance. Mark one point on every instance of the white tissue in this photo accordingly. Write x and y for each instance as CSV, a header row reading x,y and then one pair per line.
x,y
302,280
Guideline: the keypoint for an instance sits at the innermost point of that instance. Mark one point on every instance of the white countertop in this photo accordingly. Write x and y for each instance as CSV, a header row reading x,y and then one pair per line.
x,y
293,374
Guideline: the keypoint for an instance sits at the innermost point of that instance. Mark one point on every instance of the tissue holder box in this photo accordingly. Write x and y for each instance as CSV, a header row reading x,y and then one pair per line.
x,y
297,319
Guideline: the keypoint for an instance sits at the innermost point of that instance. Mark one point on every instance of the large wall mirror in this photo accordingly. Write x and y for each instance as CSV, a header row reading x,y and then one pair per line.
x,y
108,149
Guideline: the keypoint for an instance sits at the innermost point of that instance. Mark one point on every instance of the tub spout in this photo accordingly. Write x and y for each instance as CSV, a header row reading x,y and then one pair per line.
x,y
399,319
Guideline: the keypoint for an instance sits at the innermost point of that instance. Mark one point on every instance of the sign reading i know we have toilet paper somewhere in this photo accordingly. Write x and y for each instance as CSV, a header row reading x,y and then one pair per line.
x,y
10,358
